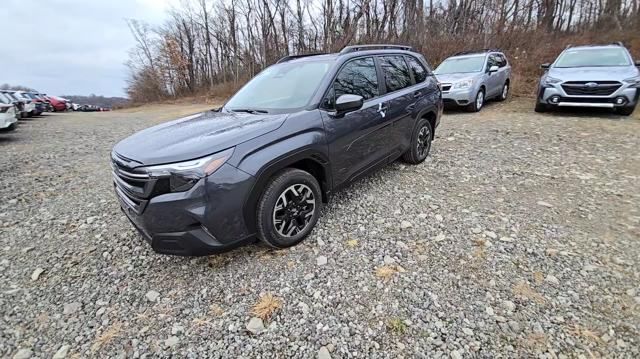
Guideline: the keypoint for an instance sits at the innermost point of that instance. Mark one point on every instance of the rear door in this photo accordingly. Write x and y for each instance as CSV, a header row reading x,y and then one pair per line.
x,y
358,140
493,78
399,100
503,72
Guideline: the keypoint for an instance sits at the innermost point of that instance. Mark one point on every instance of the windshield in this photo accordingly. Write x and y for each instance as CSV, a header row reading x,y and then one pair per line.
x,y
281,87
455,65
593,58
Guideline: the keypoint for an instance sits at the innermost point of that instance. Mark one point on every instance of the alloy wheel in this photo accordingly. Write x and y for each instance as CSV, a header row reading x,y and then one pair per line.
x,y
294,210
479,100
505,91
423,141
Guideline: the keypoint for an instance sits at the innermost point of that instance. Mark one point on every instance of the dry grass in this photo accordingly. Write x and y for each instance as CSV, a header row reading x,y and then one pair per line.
x,y
266,306
524,290
396,326
387,272
585,333
538,277
535,340
114,331
352,243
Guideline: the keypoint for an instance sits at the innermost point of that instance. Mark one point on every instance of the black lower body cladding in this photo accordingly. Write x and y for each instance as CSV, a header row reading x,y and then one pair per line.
x,y
206,219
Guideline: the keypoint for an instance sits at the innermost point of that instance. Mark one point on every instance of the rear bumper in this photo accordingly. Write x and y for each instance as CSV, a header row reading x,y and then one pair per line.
x,y
7,120
207,219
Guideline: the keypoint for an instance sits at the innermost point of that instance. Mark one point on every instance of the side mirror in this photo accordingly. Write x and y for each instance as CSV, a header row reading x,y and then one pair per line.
x,y
545,66
348,103
493,68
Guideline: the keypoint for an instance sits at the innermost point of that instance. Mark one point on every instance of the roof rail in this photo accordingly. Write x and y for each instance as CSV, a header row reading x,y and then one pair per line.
x,y
355,48
293,57
619,43
468,52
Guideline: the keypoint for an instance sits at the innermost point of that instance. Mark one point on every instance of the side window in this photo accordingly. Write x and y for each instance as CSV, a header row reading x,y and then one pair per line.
x,y
492,61
419,72
503,60
395,72
357,77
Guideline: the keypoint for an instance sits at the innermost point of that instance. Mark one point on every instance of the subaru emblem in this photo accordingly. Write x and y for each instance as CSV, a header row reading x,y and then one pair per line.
x,y
591,84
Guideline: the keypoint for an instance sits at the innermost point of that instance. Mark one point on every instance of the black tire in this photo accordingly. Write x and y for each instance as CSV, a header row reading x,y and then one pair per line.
x,y
505,92
475,106
420,145
625,111
267,212
540,107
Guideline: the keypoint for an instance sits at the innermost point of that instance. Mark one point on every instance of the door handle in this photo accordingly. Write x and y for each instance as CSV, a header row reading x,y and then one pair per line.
x,y
417,94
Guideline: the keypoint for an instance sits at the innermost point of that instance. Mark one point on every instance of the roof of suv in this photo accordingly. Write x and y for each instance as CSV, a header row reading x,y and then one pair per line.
x,y
597,46
353,51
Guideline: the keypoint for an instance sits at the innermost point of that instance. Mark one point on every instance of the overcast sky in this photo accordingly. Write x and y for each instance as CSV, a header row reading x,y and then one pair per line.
x,y
71,47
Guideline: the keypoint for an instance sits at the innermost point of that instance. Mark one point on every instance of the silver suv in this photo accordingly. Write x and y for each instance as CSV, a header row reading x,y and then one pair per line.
x,y
603,76
472,77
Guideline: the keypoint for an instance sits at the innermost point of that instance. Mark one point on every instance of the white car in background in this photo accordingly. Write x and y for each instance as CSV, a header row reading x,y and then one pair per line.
x,y
8,118
29,104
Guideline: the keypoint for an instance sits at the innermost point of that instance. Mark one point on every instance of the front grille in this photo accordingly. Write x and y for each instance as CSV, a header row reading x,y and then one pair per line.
x,y
446,87
590,88
134,187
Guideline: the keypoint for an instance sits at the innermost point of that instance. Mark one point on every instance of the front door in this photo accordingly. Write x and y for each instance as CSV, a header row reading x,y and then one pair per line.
x,y
357,140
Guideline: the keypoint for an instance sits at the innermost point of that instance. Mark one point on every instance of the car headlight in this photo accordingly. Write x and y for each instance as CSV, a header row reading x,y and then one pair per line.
x,y
634,81
550,80
464,84
184,175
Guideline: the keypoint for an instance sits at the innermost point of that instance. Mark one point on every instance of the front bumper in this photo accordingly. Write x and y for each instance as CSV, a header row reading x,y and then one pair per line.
x,y
555,95
206,219
456,97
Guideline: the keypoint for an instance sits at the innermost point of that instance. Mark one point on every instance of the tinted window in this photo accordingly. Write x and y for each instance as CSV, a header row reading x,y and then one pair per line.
x,y
357,77
502,60
396,73
419,72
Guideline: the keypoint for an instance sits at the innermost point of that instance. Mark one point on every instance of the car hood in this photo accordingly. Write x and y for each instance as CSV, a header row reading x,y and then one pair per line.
x,y
194,136
614,73
451,78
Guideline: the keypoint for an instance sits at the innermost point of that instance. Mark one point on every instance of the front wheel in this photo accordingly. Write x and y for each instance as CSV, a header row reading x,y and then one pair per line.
x,y
477,104
541,107
289,208
625,111
420,143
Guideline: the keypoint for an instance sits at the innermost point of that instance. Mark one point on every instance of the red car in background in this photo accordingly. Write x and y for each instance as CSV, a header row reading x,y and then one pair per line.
x,y
57,103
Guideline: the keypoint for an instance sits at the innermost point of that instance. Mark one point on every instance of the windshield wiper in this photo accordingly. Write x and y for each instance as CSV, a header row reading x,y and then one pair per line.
x,y
252,111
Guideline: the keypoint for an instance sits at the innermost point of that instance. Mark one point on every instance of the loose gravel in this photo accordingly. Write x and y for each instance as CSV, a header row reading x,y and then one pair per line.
x,y
518,237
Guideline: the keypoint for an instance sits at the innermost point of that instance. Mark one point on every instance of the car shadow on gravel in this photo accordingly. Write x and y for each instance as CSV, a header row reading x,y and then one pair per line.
x,y
601,113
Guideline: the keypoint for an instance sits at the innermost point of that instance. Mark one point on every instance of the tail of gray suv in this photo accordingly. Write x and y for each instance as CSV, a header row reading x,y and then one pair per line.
x,y
596,76
263,165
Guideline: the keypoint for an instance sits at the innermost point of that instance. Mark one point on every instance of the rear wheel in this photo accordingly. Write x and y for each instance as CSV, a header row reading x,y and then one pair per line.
x,y
420,143
505,92
477,104
289,208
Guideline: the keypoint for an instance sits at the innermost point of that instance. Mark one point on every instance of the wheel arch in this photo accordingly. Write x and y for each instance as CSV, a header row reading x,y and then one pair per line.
x,y
309,160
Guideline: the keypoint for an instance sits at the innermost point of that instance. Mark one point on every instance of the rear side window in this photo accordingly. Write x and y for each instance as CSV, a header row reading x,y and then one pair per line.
x,y
396,73
357,77
502,60
419,72
492,61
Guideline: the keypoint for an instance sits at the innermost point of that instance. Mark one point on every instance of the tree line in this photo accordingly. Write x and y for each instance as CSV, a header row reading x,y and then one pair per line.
x,y
213,46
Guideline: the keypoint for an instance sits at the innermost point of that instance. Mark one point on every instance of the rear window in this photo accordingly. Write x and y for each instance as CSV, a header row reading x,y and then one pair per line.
x,y
593,58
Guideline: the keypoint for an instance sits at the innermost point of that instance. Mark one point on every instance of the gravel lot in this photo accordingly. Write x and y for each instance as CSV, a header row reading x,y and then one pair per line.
x,y
518,237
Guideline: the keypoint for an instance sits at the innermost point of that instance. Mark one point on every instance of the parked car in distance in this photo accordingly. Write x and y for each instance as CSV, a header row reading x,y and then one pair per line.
x,y
57,103
21,104
8,118
29,104
40,104
600,76
263,164
470,78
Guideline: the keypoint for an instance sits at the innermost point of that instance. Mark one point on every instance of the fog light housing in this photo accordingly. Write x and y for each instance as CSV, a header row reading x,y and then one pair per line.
x,y
555,99
620,100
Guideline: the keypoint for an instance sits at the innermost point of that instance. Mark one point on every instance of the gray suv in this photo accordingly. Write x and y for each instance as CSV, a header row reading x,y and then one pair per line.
x,y
263,164
602,76
471,78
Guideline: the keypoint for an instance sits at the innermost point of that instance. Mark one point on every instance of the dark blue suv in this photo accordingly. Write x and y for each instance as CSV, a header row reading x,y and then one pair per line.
x,y
264,163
